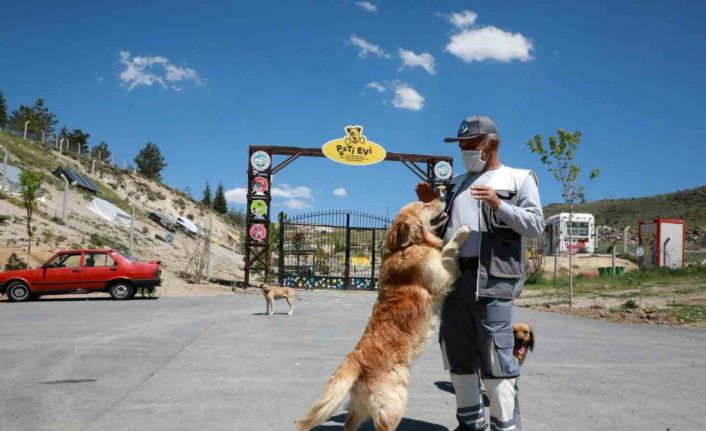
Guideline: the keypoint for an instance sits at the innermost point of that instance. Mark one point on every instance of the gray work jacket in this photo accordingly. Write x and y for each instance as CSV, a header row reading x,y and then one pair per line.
x,y
501,269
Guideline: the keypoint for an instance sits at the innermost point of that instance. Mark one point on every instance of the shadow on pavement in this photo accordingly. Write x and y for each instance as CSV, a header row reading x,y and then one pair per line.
x,y
107,298
446,387
405,425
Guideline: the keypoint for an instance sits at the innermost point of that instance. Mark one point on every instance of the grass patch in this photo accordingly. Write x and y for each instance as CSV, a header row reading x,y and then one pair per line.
x,y
99,241
687,313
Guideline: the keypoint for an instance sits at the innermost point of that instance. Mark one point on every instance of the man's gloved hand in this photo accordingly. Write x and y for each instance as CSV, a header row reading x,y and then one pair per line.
x,y
425,193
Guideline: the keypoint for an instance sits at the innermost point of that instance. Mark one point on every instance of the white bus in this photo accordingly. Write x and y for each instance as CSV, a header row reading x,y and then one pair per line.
x,y
583,232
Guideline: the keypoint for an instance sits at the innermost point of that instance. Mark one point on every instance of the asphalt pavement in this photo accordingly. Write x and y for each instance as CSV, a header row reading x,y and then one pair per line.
x,y
218,363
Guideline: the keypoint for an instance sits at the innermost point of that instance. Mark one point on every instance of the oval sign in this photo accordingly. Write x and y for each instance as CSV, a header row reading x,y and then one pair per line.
x,y
258,208
443,170
354,149
259,185
258,232
260,160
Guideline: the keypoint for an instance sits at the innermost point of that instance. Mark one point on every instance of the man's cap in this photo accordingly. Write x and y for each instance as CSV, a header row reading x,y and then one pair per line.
x,y
474,126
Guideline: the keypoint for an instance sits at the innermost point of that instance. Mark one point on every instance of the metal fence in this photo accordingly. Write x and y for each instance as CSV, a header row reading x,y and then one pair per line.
x,y
331,250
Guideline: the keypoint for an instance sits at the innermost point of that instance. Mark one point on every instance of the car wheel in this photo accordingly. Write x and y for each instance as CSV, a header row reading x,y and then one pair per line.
x,y
121,290
18,292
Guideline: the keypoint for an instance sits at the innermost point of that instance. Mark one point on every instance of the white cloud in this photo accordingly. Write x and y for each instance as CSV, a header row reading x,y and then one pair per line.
x,y
295,198
100,79
407,97
367,6
423,60
237,196
366,47
296,204
490,43
461,19
376,86
154,70
285,191
340,192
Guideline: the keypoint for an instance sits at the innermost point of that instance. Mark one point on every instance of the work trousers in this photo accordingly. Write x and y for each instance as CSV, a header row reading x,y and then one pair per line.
x,y
477,345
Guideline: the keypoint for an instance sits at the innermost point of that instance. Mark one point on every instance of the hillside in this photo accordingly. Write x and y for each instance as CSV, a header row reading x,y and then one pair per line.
x,y
689,205
84,228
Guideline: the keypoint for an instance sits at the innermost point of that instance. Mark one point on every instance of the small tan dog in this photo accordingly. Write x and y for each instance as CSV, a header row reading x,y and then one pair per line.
x,y
274,293
524,339
415,276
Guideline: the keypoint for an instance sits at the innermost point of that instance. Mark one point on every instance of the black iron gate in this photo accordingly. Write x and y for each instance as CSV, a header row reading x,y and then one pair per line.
x,y
331,250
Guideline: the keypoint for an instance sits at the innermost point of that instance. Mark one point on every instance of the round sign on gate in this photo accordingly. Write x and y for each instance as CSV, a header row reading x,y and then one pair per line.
x,y
443,170
259,185
640,252
258,208
260,160
258,232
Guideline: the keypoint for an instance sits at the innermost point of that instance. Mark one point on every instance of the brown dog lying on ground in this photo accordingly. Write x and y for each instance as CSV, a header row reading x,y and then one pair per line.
x,y
524,339
415,275
274,293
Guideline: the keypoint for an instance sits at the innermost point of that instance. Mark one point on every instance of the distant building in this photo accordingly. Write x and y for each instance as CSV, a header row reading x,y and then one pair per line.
x,y
582,230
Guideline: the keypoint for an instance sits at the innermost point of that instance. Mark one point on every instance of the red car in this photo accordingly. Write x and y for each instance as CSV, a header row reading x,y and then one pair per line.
x,y
82,271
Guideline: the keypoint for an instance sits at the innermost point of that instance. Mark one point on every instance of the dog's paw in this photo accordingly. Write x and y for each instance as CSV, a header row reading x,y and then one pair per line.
x,y
290,313
462,234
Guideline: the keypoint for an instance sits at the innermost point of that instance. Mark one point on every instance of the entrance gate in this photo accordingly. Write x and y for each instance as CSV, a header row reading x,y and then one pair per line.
x,y
331,250
435,170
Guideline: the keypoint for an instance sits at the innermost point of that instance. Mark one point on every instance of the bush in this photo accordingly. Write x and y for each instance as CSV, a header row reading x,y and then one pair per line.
x,y
98,241
15,262
629,305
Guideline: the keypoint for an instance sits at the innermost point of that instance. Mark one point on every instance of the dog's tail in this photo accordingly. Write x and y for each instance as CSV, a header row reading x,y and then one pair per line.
x,y
333,395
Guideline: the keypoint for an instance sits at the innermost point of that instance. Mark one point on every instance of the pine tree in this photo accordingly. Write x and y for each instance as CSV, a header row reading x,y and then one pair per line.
x,y
101,152
150,161
219,200
4,121
206,200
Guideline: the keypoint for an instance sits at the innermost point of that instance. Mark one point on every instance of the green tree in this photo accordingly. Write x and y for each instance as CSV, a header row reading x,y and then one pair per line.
x,y
559,160
101,152
206,200
3,112
78,141
39,117
45,120
30,185
237,217
19,117
219,200
150,161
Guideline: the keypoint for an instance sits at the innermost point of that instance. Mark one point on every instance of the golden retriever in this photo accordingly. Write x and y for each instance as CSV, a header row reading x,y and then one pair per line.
x,y
415,276
524,339
274,293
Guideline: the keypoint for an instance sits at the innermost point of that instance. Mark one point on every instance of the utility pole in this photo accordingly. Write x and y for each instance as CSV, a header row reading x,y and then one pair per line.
x,y
61,146
132,229
66,197
625,240
26,124
42,136
6,184
93,166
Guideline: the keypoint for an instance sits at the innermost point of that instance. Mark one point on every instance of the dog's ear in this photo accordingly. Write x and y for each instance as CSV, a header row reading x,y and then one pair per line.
x,y
403,234
530,343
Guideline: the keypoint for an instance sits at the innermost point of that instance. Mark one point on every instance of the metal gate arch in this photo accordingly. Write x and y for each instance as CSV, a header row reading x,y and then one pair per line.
x,y
331,250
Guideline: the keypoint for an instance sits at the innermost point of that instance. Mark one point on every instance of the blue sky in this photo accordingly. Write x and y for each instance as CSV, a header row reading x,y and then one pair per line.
x,y
205,80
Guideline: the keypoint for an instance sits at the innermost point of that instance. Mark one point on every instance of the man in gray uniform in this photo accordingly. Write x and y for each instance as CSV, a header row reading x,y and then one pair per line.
x,y
501,206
